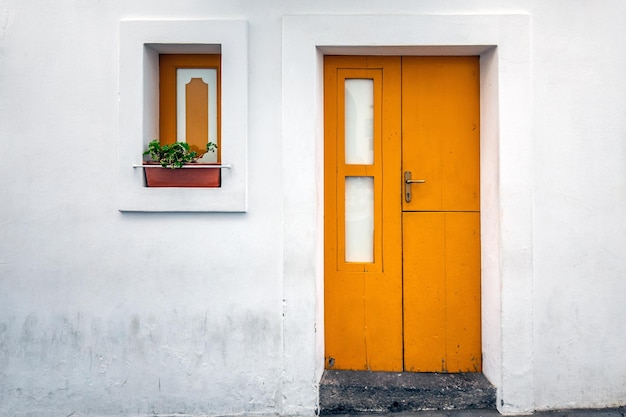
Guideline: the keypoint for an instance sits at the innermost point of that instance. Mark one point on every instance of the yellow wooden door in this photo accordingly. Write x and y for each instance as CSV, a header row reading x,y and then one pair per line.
x,y
402,274
441,223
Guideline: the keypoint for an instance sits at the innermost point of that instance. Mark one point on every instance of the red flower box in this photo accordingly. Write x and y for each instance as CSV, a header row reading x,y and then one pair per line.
x,y
191,175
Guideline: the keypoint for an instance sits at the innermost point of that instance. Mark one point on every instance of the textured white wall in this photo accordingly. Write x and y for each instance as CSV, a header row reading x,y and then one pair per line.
x,y
580,194
104,313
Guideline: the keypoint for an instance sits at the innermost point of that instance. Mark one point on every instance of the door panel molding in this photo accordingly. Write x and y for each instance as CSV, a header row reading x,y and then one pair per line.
x,y
356,293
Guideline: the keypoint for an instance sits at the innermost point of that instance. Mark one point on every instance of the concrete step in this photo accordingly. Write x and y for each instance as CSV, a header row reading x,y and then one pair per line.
x,y
349,392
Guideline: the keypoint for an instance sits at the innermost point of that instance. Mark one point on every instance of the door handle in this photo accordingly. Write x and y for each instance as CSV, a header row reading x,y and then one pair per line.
x,y
407,185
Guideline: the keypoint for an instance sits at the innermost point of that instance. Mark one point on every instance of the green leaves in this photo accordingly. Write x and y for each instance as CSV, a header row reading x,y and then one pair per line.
x,y
211,147
173,156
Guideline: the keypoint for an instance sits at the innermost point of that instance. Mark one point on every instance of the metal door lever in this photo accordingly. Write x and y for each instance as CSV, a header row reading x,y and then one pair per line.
x,y
407,185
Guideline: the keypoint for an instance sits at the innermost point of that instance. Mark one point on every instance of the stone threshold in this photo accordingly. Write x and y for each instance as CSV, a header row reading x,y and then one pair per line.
x,y
357,392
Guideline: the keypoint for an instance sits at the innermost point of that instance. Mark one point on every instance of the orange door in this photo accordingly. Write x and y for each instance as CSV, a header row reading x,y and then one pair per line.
x,y
441,238
402,260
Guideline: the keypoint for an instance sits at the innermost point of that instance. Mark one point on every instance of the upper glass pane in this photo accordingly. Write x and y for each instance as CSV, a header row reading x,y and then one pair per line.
x,y
359,119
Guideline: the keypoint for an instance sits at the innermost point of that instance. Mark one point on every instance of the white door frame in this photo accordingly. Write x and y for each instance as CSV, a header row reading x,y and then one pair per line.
x,y
503,43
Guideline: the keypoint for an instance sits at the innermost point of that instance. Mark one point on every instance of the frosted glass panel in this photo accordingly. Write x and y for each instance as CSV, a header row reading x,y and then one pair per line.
x,y
359,219
184,76
359,129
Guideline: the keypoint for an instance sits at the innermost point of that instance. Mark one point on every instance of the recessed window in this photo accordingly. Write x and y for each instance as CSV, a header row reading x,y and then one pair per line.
x,y
215,90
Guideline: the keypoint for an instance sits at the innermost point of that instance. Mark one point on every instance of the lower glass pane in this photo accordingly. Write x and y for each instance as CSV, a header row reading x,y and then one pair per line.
x,y
359,219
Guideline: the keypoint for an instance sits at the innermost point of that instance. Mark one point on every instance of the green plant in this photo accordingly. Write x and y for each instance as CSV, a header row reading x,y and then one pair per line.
x,y
211,147
174,155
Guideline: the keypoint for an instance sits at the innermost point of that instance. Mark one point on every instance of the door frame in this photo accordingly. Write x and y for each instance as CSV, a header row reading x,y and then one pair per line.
x,y
503,44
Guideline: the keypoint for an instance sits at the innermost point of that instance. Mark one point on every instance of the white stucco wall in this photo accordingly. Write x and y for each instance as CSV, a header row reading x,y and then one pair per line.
x,y
579,134
110,313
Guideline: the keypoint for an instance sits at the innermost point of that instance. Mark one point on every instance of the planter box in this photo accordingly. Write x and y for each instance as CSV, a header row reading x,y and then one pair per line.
x,y
188,176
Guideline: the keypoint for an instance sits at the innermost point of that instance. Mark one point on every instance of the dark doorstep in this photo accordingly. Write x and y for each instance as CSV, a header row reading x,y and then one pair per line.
x,y
351,392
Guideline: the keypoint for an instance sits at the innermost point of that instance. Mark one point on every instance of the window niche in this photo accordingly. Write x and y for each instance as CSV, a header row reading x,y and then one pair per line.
x,y
189,113
143,45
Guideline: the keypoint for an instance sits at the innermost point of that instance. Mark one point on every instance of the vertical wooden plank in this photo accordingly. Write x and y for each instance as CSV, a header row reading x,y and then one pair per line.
x,y
463,340
167,99
461,162
424,273
345,339
385,291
